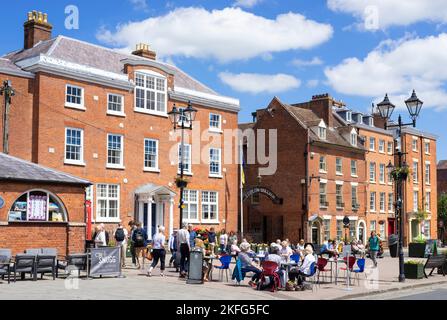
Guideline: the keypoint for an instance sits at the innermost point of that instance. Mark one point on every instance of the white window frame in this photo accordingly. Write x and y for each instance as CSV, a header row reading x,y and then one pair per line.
x,y
414,144
349,116
339,172
187,202
107,199
415,201
209,204
322,194
79,106
113,112
155,75
427,200
156,168
372,146
381,146
427,144
79,162
427,174
391,202
355,168
214,129
382,202
322,130
382,170
372,173
339,196
390,146
354,137
372,204
324,163
415,171
216,174
354,196
113,165
188,161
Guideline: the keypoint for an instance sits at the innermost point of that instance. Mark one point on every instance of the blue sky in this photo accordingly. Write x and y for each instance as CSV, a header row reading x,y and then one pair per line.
x,y
255,49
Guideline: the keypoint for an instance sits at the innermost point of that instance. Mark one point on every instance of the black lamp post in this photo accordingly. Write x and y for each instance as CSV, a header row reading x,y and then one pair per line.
x,y
182,118
386,109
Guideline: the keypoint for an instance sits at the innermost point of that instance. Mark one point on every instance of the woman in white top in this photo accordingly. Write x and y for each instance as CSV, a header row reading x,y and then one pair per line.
x,y
100,238
285,251
234,248
304,271
158,251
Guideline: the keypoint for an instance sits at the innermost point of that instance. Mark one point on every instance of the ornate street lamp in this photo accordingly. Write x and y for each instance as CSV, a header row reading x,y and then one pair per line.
x,y
386,109
183,119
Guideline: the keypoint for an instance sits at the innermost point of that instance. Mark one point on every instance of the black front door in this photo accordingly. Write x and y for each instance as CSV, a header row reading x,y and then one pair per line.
x,y
154,219
145,210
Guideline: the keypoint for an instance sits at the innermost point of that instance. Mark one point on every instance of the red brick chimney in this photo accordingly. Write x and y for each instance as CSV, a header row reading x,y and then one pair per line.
x,y
37,29
321,105
143,50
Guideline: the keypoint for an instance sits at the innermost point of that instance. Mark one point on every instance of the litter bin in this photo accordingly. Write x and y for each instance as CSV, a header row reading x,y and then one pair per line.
x,y
195,264
392,245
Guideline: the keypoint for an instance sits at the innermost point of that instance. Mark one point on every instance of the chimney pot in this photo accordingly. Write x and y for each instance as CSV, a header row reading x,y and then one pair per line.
x,y
37,29
144,50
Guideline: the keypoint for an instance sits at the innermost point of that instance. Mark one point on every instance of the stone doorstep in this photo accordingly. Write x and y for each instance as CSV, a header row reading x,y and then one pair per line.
x,y
380,291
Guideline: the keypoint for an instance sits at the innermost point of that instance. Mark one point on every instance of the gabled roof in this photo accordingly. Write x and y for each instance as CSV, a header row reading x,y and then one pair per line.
x,y
151,188
15,169
310,119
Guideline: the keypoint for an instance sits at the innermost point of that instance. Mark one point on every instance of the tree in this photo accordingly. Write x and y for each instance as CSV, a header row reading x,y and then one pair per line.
x,y
442,212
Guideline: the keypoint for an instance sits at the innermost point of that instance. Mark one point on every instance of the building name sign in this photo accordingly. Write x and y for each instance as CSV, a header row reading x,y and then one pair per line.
x,y
265,191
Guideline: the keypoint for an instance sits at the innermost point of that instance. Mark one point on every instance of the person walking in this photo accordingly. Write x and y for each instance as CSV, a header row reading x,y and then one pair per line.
x,y
172,244
158,251
374,247
132,226
212,240
121,236
231,238
139,238
184,246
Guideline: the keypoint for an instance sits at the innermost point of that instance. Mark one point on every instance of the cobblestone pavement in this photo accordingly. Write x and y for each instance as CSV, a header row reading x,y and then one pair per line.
x,y
136,285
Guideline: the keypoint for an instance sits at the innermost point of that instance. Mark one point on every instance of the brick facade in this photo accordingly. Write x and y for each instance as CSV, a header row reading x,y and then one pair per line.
x,y
67,237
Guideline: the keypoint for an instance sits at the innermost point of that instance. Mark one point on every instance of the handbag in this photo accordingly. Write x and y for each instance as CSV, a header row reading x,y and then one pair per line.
x,y
149,254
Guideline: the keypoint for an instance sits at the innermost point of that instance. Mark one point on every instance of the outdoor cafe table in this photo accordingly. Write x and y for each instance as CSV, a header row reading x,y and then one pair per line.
x,y
335,262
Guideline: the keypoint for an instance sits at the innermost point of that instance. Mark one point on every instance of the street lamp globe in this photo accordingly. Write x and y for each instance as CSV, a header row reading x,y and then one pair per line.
x,y
190,113
386,108
174,115
414,105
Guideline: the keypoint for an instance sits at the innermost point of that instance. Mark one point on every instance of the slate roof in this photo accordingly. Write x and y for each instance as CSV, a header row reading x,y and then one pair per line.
x,y
309,119
87,54
442,165
15,169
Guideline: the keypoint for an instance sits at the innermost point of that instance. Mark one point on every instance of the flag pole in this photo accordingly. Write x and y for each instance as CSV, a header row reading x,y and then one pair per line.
x,y
241,161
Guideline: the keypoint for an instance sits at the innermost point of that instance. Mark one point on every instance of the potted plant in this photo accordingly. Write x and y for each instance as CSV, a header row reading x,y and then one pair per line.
x,y
400,173
414,269
181,182
416,249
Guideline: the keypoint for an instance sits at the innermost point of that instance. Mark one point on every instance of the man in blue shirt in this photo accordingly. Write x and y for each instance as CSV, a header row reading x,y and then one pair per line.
x,y
192,236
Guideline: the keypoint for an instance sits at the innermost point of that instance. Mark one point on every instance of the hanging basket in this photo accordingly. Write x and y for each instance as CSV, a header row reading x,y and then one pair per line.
x,y
181,183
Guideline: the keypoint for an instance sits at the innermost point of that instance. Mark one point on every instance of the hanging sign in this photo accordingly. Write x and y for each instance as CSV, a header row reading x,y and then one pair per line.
x,y
2,202
37,208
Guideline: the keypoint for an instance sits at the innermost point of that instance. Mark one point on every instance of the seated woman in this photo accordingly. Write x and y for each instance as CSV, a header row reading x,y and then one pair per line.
x,y
206,267
275,257
286,251
234,248
300,273
247,264
330,249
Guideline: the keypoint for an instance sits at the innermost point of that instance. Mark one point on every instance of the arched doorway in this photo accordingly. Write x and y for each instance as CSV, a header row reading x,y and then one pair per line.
x,y
316,232
361,231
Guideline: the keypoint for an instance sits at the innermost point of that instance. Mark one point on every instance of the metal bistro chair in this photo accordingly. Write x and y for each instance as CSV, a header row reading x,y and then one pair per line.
x,y
46,264
321,267
312,276
295,258
225,266
73,262
361,269
350,264
268,271
5,264
25,263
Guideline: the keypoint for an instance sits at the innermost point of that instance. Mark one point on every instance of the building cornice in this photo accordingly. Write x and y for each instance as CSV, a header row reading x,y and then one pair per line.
x,y
17,73
203,99
148,63
43,63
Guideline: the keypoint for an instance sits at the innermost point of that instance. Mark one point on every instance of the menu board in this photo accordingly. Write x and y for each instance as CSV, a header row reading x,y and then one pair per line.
x,y
37,208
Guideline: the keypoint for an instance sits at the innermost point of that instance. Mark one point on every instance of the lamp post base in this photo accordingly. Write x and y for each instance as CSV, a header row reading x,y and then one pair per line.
x,y
401,278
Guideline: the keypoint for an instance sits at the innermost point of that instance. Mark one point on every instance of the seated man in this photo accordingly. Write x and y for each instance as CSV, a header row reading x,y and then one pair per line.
x,y
329,248
247,264
275,257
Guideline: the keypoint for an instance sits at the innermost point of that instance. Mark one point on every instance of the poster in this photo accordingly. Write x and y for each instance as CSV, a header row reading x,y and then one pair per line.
x,y
37,208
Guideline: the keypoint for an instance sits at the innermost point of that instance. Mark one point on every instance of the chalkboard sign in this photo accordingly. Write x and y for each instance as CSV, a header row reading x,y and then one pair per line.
x,y
106,261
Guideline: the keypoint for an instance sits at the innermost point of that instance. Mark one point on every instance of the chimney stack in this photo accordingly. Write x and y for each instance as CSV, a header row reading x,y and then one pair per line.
x,y
37,29
143,50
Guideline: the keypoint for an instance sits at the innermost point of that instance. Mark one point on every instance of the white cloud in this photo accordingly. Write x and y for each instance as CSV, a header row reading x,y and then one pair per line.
x,y
139,4
397,67
247,3
260,83
381,14
306,63
313,83
227,35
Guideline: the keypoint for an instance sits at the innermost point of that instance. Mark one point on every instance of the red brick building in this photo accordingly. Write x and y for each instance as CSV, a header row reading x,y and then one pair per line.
x,y
102,115
40,208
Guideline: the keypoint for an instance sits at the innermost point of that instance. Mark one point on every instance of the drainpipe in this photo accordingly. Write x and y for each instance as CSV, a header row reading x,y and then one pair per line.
x,y
305,208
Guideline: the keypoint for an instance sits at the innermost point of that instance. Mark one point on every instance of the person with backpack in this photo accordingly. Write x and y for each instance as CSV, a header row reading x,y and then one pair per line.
x,y
121,236
139,238
173,248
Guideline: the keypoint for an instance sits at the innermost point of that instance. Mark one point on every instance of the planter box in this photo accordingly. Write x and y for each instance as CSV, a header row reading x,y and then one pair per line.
x,y
413,271
416,250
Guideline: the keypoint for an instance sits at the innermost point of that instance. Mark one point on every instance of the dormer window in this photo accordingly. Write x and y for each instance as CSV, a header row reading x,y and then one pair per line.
x,y
371,122
349,116
359,119
322,131
150,93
